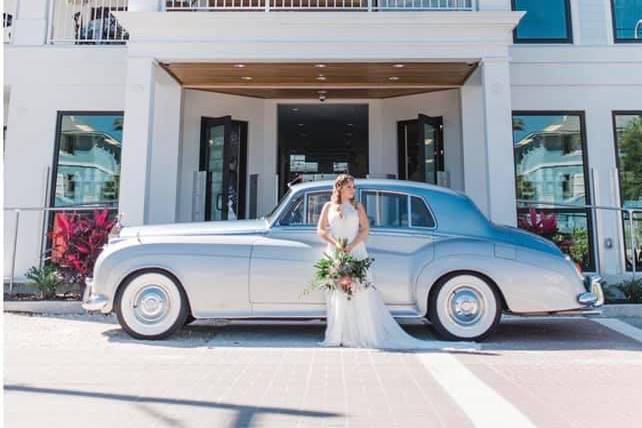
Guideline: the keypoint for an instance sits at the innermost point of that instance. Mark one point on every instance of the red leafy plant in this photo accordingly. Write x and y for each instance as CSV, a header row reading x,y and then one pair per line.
x,y
540,223
77,241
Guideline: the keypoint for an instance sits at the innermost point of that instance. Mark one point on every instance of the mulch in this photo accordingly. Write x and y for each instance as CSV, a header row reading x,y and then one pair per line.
x,y
29,297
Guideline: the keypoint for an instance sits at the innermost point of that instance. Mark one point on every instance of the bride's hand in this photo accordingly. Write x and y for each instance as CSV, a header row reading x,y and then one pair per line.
x,y
348,248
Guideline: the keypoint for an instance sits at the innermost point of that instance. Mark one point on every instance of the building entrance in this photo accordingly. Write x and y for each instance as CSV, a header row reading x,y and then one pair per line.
x,y
319,141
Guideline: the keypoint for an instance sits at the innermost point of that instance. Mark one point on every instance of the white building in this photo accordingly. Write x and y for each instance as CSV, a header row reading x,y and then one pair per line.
x,y
204,109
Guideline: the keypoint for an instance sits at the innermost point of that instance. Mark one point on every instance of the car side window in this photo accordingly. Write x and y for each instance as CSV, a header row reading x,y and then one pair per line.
x,y
421,216
386,209
316,201
305,210
294,213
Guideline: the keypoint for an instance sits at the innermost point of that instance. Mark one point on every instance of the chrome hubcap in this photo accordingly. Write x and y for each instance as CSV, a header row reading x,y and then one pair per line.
x,y
151,304
465,305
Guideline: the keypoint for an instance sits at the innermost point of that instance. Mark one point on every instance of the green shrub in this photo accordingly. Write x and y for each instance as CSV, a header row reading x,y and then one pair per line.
x,y
631,290
46,278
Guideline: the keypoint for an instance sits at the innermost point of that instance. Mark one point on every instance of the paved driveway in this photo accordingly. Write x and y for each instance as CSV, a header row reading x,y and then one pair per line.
x,y
84,371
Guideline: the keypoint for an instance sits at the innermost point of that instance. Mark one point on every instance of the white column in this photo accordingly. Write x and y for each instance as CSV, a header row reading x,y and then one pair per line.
x,y
165,149
137,135
494,4
498,129
144,5
474,141
30,27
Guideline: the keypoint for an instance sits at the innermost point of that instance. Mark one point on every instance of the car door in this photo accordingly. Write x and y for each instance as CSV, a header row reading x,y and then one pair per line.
x,y
401,244
282,262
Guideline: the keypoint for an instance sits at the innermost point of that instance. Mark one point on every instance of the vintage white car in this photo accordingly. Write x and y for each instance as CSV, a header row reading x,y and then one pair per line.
x,y
436,256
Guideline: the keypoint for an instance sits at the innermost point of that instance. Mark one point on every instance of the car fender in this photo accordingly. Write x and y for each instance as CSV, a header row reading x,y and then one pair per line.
x,y
528,280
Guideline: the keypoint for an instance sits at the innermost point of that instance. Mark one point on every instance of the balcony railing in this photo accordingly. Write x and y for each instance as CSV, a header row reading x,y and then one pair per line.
x,y
86,22
91,22
317,5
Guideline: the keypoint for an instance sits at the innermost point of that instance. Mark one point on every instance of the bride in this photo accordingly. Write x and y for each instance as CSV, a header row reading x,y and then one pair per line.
x,y
363,320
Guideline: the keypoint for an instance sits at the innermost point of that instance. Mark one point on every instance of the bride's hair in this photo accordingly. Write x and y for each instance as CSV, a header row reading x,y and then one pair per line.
x,y
339,182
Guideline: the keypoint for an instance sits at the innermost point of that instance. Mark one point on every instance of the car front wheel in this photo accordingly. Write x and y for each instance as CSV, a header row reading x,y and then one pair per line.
x,y
464,306
151,305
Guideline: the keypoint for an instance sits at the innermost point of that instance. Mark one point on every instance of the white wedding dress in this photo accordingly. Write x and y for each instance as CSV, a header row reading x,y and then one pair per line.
x,y
364,321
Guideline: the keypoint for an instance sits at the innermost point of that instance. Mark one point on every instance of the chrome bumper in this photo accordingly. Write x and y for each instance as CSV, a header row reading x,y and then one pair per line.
x,y
92,302
593,297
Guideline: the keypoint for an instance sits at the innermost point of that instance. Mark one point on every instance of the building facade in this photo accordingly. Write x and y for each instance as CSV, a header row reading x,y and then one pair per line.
x,y
202,110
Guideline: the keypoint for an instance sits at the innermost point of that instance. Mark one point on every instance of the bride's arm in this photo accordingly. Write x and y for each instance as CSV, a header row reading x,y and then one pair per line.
x,y
364,228
323,227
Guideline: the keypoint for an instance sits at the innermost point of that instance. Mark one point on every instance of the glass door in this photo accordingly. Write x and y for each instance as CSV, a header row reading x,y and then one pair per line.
x,y
223,158
421,149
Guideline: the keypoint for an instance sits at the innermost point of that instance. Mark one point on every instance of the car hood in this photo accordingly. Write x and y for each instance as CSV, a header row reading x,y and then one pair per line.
x,y
200,228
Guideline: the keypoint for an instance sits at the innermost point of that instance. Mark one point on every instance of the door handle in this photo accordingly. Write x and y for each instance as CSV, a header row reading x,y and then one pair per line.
x,y
219,201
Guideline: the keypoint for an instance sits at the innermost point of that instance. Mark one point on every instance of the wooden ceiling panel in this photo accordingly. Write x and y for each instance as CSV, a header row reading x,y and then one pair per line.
x,y
343,93
268,80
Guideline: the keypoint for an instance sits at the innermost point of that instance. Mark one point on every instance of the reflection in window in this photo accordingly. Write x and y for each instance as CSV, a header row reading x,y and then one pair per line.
x,y
545,21
550,169
88,168
627,20
628,129
421,217
316,201
386,209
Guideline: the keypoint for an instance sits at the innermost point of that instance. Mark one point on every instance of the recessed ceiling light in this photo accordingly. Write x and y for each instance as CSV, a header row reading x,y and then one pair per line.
x,y
321,77
398,65
322,92
393,78
320,65
239,65
246,77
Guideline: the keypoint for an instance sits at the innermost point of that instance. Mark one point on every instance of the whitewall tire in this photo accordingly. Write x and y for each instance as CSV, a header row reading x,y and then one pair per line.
x,y
464,306
151,305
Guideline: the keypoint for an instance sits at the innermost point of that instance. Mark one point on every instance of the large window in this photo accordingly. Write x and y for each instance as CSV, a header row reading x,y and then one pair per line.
x,y
551,171
87,161
546,21
628,139
627,20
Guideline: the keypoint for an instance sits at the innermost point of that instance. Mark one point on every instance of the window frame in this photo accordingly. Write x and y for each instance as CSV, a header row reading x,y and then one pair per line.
x,y
590,223
569,29
289,205
614,27
624,223
56,153
408,196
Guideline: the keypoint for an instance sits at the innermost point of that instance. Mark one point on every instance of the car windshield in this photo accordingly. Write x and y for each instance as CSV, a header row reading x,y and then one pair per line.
x,y
269,215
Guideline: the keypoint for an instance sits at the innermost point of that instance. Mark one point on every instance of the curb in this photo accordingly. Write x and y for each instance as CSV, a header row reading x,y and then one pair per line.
x,y
623,310
45,307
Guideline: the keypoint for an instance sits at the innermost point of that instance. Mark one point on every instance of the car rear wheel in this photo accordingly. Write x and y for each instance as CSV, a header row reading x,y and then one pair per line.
x,y
151,305
464,306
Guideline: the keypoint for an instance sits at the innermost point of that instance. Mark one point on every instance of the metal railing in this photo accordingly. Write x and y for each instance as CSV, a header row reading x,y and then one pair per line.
x,y
17,213
353,5
86,22
636,253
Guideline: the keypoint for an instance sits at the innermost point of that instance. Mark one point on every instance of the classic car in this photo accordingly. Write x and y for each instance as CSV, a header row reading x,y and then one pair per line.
x,y
435,256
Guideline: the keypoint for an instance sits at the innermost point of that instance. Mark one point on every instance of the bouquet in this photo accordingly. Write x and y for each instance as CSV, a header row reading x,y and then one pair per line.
x,y
340,270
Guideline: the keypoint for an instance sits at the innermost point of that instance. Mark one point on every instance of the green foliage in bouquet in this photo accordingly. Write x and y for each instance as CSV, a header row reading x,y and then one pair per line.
x,y
340,270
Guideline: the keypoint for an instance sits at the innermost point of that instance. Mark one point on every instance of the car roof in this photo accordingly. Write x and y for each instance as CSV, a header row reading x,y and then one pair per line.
x,y
383,182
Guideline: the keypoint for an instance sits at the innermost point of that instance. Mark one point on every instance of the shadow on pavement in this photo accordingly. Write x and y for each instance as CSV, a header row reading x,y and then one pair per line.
x,y
244,414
